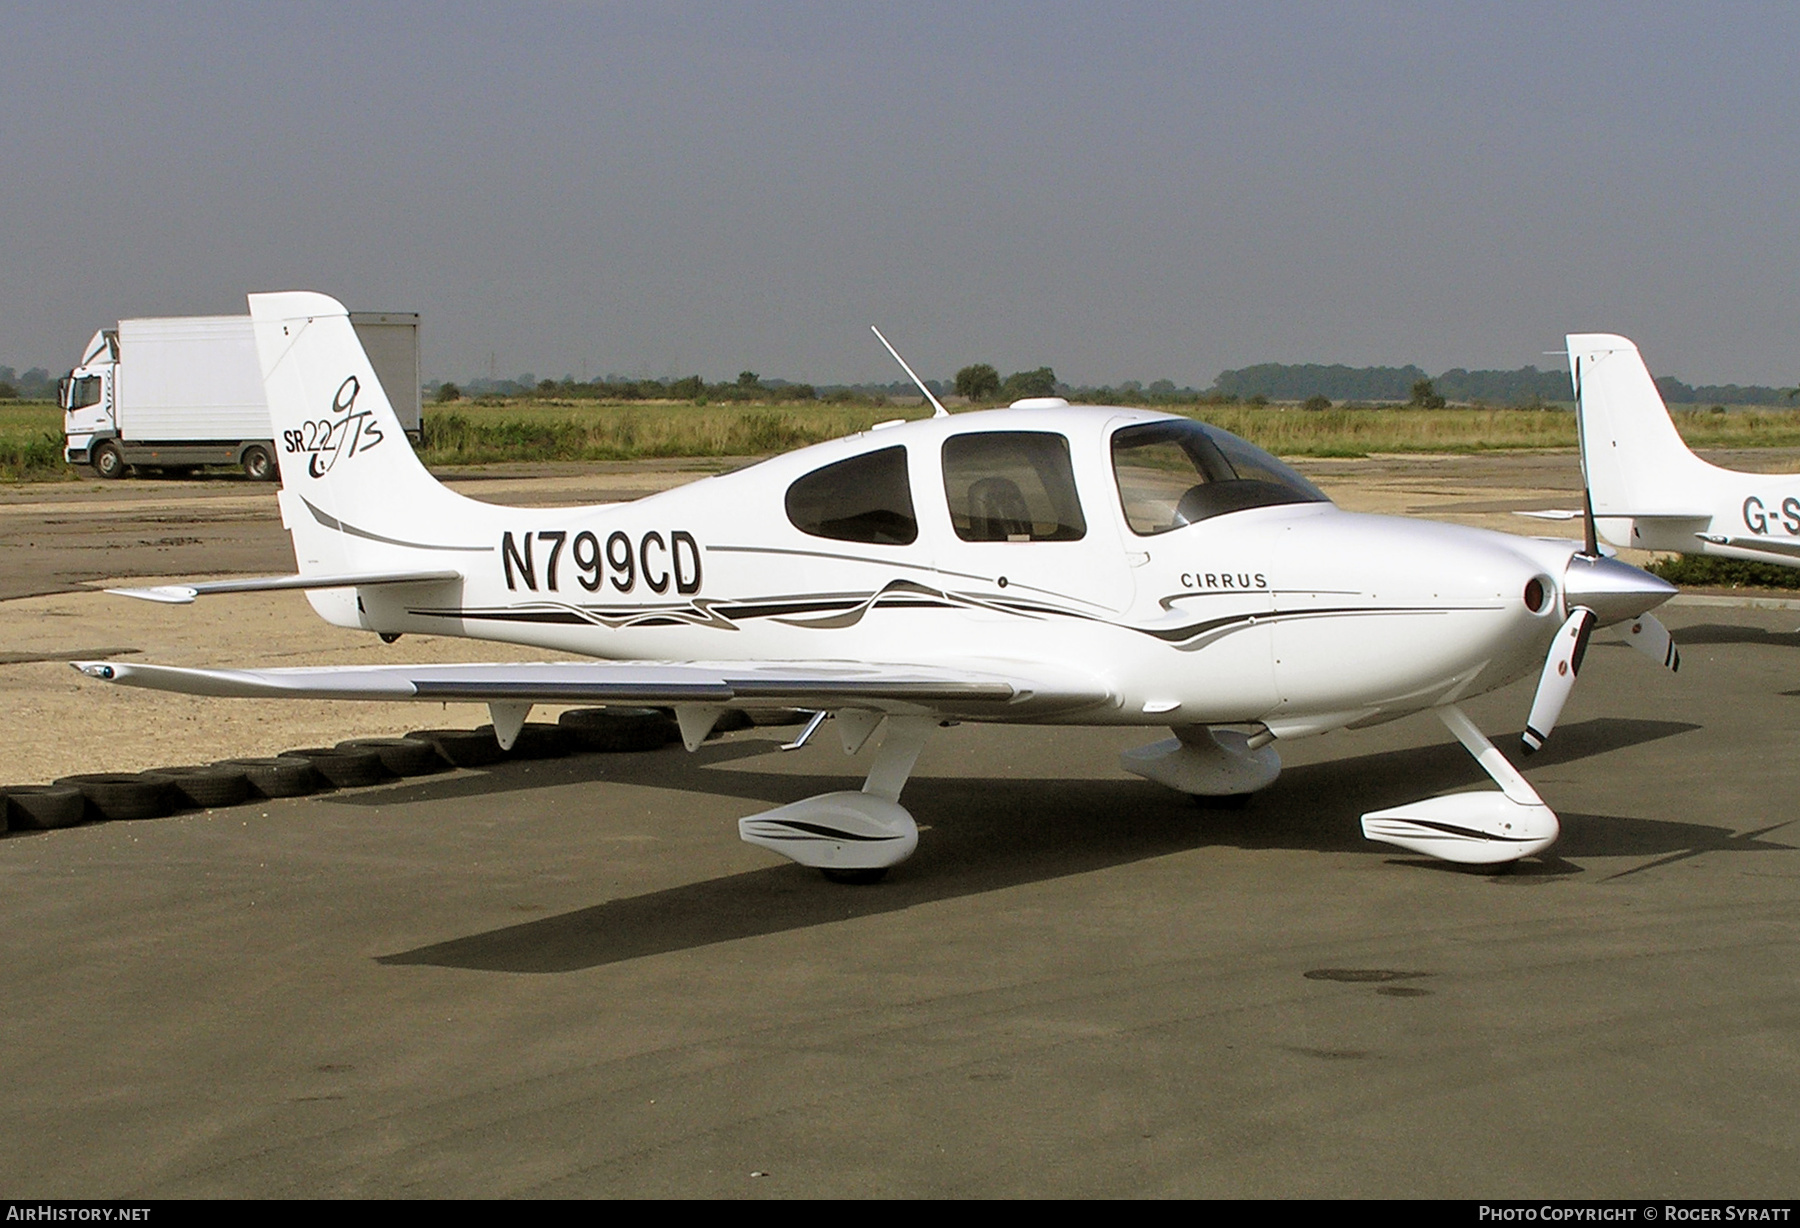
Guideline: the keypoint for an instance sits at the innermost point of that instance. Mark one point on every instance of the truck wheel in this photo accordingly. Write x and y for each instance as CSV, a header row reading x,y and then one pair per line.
x,y
107,460
259,466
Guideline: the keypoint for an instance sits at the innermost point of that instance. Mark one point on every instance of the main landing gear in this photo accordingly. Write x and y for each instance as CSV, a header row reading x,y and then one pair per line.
x,y
852,837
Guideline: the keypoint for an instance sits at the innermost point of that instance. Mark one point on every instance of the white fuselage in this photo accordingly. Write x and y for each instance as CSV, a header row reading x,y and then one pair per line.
x,y
1300,616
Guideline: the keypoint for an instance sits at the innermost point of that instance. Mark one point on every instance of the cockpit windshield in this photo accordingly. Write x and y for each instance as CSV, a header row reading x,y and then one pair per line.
x,y
1178,472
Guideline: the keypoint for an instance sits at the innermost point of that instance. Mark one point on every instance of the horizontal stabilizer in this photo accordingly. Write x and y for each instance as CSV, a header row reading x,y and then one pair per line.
x,y
184,594
1786,547
798,684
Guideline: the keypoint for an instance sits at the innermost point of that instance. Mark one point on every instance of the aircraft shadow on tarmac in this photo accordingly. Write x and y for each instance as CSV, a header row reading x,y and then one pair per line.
x,y
988,834
1734,633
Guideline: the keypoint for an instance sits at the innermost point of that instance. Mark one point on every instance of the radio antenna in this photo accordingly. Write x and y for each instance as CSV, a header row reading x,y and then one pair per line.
x,y
937,406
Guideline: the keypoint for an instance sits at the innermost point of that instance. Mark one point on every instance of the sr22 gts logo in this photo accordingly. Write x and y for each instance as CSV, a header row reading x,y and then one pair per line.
x,y
1764,520
621,563
345,433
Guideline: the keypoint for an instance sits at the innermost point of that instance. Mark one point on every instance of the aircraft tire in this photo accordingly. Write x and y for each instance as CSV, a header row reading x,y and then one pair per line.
x,y
619,729
778,718
537,740
124,795
346,769
731,721
279,777
204,787
402,756
466,748
43,807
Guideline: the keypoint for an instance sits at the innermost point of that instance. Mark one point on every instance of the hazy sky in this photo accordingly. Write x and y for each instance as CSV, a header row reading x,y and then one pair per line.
x,y
1121,191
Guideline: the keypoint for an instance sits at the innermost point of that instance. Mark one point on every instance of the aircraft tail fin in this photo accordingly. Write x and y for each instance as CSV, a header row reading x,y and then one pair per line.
x,y
1634,460
354,497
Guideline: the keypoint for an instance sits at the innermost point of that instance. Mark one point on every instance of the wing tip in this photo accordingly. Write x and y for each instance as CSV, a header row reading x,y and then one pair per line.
x,y
162,594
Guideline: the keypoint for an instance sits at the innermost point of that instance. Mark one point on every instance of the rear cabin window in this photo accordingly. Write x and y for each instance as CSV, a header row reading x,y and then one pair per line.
x,y
867,499
1012,486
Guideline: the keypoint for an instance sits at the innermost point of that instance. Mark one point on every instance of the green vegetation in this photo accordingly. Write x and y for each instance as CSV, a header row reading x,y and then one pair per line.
x,y
31,442
1022,384
36,384
1526,386
480,433
978,382
1424,396
1704,571
490,428
748,388
1351,430
521,430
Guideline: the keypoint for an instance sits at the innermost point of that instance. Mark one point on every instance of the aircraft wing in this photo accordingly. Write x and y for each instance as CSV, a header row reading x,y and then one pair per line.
x,y
987,690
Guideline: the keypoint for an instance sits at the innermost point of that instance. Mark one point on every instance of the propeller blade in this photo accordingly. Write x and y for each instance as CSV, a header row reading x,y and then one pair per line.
x,y
1651,638
1558,679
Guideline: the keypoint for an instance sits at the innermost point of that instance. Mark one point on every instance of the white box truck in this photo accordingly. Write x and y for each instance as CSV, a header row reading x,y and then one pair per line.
x,y
180,392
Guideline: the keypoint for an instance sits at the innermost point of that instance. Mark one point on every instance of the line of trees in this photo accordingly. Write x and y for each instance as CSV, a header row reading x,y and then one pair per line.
x,y
1525,386
1297,382
1677,393
36,384
1314,385
982,383
748,387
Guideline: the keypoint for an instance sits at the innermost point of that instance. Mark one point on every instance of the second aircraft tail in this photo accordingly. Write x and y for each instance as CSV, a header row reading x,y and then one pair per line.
x,y
1634,461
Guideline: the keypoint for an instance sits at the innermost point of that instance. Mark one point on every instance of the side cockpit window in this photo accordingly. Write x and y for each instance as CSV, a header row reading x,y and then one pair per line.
x,y
1175,473
81,393
1012,486
867,498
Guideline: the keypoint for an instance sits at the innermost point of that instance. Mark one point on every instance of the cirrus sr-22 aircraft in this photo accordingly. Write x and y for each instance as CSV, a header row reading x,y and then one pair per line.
x,y
1042,564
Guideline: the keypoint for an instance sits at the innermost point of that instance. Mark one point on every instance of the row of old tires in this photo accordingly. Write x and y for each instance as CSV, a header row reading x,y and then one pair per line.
x,y
350,764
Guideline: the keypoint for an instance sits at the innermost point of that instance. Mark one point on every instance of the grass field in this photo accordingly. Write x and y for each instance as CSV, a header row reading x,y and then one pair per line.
x,y
548,430
527,430
31,442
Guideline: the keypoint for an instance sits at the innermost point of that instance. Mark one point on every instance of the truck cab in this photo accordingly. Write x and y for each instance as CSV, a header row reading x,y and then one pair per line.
x,y
86,397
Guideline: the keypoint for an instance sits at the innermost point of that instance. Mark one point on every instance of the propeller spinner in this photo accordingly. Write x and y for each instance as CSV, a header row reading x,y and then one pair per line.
x,y
1599,591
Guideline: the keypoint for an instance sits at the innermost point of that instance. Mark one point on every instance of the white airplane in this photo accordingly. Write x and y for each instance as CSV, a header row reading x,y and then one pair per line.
x,y
1647,488
1043,564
